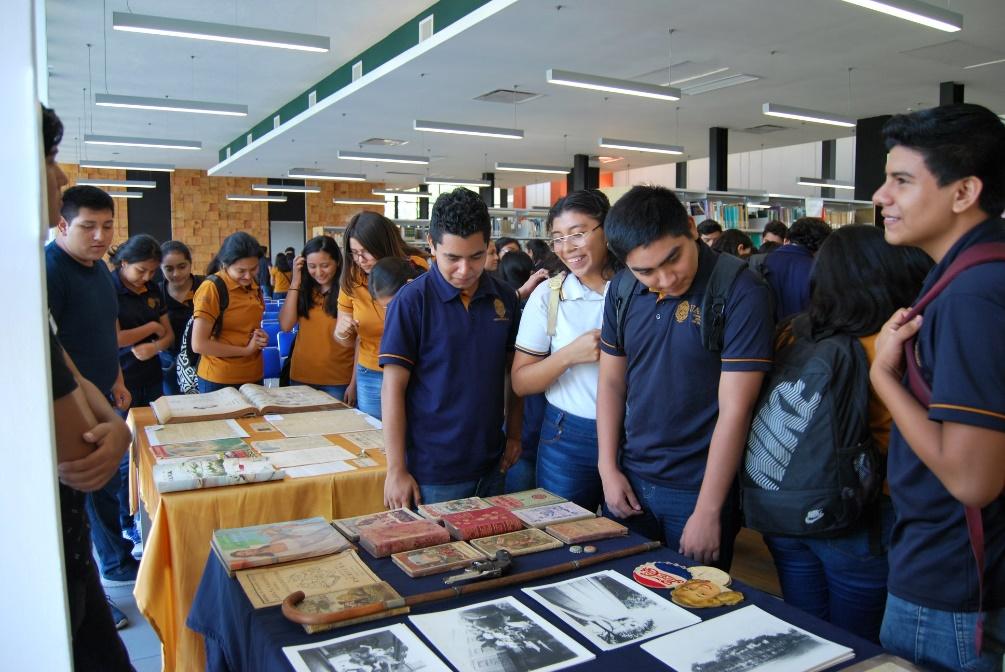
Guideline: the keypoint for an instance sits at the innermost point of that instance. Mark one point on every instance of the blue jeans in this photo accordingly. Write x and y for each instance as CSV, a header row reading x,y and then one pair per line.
x,y
488,485
567,458
942,640
521,476
665,512
337,391
368,384
169,373
839,579
103,509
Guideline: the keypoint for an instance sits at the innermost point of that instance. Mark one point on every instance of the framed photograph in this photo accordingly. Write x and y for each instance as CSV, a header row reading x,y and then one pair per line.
x,y
499,636
390,649
610,610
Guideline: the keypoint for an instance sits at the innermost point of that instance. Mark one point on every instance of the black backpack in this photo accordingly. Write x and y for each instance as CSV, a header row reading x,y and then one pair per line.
x,y
187,362
811,467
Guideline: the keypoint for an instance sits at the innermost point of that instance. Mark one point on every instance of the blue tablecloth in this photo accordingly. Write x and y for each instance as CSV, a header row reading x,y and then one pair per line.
x,y
241,639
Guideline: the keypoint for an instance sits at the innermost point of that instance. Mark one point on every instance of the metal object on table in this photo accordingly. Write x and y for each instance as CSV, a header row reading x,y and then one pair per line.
x,y
484,569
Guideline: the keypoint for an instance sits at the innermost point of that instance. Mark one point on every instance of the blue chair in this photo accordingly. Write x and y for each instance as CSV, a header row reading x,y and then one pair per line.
x,y
285,342
273,367
270,315
272,329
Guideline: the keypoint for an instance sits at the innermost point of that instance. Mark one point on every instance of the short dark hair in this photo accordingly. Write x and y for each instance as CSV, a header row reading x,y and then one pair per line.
x,y
643,215
172,246
504,241
84,196
240,245
391,274
515,269
141,247
709,226
283,263
730,240
777,228
52,130
305,297
594,204
460,212
768,246
956,141
809,232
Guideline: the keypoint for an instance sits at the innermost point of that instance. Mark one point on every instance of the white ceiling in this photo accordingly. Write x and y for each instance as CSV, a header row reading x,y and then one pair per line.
x,y
802,50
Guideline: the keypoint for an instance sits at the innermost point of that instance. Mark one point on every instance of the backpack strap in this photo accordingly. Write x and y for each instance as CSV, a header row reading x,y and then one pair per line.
x,y
224,299
623,285
713,305
554,297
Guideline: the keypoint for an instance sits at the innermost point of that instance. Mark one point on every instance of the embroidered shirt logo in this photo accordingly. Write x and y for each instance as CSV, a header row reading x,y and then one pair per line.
x,y
152,302
683,308
500,309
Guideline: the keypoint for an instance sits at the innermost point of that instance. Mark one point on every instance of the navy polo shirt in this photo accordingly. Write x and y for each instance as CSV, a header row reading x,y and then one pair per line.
x,y
135,310
959,346
672,381
787,270
83,303
457,358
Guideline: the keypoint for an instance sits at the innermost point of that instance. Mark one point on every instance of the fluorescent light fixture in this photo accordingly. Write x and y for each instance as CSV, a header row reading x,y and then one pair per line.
x,y
611,85
310,174
125,194
458,181
532,168
136,184
825,183
694,77
802,114
359,201
292,188
129,165
758,206
170,105
715,84
916,11
256,198
141,142
633,145
218,32
387,158
518,212
401,192
467,129
981,65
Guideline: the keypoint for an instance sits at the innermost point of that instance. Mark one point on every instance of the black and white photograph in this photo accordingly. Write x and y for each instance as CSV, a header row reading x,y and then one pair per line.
x,y
499,636
610,610
746,640
391,649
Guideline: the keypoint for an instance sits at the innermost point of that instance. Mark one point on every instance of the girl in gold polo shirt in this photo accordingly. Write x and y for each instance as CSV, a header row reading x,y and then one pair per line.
x,y
369,237
318,359
282,275
233,355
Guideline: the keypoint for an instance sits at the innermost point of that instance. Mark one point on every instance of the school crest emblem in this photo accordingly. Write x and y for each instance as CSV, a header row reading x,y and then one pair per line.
x,y
683,309
500,309
152,302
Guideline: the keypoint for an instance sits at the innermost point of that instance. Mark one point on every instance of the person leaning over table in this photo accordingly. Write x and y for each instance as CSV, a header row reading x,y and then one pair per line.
x,y
178,292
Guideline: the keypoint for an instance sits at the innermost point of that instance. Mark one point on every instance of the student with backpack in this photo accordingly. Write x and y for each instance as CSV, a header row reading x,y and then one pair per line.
x,y
227,317
944,193
558,346
819,433
178,292
686,339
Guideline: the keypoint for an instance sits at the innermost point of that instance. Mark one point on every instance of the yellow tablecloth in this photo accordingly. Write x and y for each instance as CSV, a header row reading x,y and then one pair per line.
x,y
178,543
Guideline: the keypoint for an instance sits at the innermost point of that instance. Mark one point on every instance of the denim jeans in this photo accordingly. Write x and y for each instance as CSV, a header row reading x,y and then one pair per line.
x,y
521,476
567,458
337,391
368,384
169,373
665,512
942,640
103,511
488,485
839,580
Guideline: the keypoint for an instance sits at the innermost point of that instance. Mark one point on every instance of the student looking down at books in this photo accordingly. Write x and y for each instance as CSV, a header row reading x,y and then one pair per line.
x,y
369,237
446,349
178,292
230,341
388,276
319,360
558,356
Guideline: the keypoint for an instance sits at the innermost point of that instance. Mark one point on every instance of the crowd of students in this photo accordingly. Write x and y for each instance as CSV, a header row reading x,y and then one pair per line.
x,y
612,366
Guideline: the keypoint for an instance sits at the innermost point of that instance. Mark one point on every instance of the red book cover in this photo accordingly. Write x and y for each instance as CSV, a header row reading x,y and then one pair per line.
x,y
383,540
481,523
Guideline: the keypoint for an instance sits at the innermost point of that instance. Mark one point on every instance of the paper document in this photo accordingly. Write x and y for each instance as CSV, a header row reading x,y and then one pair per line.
x,y
190,432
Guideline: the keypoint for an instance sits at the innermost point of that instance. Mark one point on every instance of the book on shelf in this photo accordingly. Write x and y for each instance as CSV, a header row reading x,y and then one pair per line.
x,y
212,472
232,447
242,402
525,499
350,527
589,529
274,543
481,523
522,542
436,559
384,540
542,516
439,509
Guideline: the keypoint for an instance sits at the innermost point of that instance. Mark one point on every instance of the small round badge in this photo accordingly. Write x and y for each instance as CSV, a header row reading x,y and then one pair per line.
x,y
589,549
710,574
576,549
653,575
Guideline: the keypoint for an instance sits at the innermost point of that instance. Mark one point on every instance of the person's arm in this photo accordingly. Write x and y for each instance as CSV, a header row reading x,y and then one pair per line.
x,y
120,393
350,389
288,315
400,488
204,344
535,279
127,337
514,423
145,351
533,374
611,393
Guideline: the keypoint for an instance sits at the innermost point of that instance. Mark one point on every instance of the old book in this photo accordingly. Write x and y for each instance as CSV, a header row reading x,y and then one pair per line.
x,y
439,509
590,529
213,448
522,542
542,516
210,472
351,598
525,499
383,540
248,400
258,545
436,559
481,523
269,586
350,527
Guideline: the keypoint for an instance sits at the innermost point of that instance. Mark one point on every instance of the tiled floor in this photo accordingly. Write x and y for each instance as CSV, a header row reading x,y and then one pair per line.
x,y
140,639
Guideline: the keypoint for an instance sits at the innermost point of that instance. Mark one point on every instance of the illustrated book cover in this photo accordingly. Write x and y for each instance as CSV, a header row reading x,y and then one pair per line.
x,y
384,540
589,529
522,542
525,499
258,545
439,509
481,523
542,516
436,559
350,527
209,472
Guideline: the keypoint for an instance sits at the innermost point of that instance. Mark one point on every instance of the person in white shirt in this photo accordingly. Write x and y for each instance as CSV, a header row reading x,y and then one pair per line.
x,y
558,347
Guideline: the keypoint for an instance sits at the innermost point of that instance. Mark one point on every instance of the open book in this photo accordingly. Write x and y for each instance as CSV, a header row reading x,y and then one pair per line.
x,y
238,403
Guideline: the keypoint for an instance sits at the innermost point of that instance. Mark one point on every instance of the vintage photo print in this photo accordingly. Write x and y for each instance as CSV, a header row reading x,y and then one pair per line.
x,y
391,649
499,636
610,610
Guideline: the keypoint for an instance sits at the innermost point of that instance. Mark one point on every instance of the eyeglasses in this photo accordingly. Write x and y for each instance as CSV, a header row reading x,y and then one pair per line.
x,y
573,240
360,255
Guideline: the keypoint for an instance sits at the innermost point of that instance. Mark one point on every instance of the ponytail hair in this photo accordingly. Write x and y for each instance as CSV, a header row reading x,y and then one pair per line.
x,y
141,247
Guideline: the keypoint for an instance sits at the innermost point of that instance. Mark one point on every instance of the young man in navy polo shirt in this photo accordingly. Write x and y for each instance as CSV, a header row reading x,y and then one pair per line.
x,y
448,342
944,193
787,269
683,410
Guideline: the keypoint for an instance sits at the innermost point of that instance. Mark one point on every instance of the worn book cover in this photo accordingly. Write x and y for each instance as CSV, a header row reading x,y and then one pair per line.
x,y
436,559
213,448
197,473
438,510
590,529
351,598
522,542
525,499
269,586
258,545
384,540
350,527
481,523
542,516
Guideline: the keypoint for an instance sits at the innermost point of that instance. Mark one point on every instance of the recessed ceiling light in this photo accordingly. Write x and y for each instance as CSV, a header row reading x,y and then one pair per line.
x,y
388,158
803,114
467,129
916,11
532,168
170,105
720,83
824,182
218,32
256,197
611,85
359,201
384,142
677,82
159,143
128,165
136,184
125,194
633,145
310,174
458,181
292,188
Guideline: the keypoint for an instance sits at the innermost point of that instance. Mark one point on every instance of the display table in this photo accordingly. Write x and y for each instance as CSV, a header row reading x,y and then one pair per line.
x,y
176,548
241,639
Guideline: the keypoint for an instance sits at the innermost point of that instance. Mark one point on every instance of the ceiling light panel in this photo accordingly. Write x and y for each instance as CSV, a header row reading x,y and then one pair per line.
x,y
134,184
803,114
310,174
719,83
218,32
611,85
400,192
532,168
387,158
160,143
256,198
291,188
128,165
824,182
916,11
125,194
468,129
458,181
359,201
636,146
170,105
